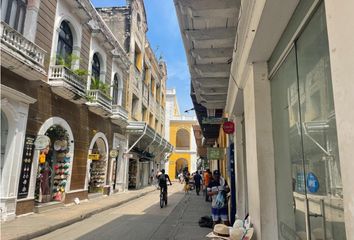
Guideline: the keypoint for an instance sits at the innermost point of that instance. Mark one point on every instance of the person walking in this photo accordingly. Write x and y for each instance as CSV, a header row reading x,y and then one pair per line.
x,y
207,177
218,189
197,181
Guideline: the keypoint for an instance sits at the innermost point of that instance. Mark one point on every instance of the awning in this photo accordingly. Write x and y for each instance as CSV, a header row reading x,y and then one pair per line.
x,y
146,141
208,30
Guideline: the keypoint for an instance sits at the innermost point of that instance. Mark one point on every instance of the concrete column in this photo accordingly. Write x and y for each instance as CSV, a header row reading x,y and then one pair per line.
x,y
240,168
340,24
259,153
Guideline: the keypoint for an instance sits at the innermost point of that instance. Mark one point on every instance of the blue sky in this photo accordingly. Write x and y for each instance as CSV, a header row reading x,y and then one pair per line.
x,y
165,38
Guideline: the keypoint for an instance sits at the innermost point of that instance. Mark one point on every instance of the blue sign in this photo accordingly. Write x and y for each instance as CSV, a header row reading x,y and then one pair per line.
x,y
312,182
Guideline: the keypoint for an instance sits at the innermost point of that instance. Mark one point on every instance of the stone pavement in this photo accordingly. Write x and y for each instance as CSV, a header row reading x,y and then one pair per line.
x,y
182,223
34,225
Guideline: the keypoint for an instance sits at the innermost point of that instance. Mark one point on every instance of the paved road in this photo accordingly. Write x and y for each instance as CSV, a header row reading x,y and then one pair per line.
x,y
143,219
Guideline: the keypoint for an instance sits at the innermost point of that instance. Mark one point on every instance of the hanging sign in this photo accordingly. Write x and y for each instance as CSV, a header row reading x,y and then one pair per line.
x,y
94,156
41,142
213,120
26,166
312,182
113,153
228,127
215,153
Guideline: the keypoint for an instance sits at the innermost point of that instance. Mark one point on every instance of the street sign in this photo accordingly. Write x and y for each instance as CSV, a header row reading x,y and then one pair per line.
x,y
113,153
215,153
213,120
94,156
228,127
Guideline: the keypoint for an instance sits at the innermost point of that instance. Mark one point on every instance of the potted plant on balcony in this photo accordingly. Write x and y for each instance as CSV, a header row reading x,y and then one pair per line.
x,y
96,84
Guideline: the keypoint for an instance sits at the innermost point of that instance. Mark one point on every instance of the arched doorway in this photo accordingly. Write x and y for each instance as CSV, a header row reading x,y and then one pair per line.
x,y
181,164
55,164
97,167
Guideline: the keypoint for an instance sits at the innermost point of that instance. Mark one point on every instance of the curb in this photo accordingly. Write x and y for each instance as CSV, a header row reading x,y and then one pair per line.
x,y
79,218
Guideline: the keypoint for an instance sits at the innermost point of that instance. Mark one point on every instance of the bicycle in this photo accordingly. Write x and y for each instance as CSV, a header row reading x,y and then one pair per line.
x,y
163,196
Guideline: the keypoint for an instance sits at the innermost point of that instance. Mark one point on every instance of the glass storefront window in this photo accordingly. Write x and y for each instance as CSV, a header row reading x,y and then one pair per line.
x,y
309,189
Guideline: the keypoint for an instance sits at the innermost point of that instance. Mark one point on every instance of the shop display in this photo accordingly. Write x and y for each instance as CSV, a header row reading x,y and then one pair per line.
x,y
25,175
133,168
97,175
54,165
61,174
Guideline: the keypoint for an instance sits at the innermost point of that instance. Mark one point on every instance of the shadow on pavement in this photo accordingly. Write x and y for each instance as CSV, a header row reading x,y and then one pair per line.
x,y
156,223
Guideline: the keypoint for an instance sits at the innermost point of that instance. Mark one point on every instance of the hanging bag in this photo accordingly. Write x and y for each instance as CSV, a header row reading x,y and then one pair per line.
x,y
220,200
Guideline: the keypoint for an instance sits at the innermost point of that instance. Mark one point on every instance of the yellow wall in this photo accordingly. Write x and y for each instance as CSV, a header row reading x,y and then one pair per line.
x,y
174,127
223,144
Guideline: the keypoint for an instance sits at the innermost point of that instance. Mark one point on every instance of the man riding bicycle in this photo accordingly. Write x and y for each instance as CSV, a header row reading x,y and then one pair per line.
x,y
162,178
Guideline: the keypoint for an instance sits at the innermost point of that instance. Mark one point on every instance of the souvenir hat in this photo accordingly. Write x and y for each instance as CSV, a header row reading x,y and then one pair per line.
x,y
238,224
63,144
249,234
66,166
63,183
61,155
236,233
66,172
220,231
67,159
57,145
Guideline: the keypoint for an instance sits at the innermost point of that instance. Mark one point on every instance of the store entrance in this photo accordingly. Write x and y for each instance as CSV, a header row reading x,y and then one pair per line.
x,y
98,167
53,167
133,171
308,178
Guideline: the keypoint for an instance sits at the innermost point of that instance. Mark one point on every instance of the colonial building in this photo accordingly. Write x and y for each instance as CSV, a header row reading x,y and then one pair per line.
x,y
66,112
282,72
181,136
146,91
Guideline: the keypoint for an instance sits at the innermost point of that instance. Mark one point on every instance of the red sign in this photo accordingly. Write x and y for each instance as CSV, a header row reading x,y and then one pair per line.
x,y
228,127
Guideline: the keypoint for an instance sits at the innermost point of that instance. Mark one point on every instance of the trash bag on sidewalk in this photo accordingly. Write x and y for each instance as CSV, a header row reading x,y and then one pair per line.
x,y
206,222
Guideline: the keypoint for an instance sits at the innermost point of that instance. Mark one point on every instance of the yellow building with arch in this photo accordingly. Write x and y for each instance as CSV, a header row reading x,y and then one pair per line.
x,y
181,136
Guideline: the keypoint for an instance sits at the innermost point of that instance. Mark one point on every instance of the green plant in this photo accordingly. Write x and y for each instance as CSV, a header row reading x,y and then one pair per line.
x,y
96,84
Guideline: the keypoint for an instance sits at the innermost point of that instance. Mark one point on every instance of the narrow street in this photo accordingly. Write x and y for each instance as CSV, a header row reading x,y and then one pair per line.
x,y
143,219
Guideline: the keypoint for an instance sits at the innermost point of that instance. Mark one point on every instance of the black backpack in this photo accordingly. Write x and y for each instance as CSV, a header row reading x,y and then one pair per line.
x,y
206,222
162,180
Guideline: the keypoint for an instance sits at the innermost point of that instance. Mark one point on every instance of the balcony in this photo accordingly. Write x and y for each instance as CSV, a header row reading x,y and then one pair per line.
x,y
120,115
20,55
67,84
99,103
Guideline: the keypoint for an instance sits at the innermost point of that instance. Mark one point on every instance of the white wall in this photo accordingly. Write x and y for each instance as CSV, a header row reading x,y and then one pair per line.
x,y
340,24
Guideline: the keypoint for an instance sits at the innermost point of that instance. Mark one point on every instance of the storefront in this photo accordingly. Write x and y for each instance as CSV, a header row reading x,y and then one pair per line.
x,y
97,165
307,164
146,147
52,163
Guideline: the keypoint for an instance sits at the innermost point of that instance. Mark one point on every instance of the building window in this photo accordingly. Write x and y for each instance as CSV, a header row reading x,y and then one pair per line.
x,y
13,12
96,67
115,89
182,140
138,58
65,44
138,18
